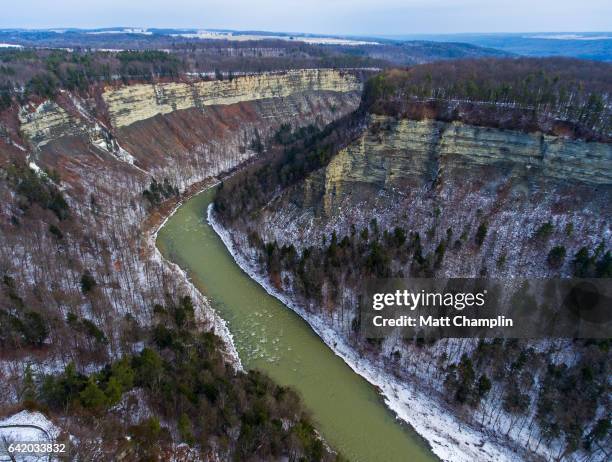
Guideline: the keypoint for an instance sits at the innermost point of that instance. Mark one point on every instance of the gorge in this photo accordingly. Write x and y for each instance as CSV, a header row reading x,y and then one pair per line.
x,y
427,197
310,183
112,180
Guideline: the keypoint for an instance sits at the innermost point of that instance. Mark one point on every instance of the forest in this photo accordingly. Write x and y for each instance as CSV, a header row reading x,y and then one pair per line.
x,y
26,73
188,394
496,377
555,95
370,253
76,60
293,154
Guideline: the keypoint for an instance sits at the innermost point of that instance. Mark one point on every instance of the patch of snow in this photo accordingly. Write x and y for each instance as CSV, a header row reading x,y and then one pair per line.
x,y
28,426
124,155
18,146
569,37
319,40
129,30
34,167
79,106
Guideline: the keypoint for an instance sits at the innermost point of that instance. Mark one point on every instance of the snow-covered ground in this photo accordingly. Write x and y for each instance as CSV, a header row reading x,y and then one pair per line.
x,y
450,439
128,30
318,40
26,427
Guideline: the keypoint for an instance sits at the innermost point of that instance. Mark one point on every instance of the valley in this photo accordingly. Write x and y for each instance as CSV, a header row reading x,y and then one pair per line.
x,y
106,285
193,246
269,337
418,197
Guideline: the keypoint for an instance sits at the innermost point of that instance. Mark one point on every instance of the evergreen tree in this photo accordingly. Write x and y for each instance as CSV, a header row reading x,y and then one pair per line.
x,y
481,233
92,397
185,429
28,388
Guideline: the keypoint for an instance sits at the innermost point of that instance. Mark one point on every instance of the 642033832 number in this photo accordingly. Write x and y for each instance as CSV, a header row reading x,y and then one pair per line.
x,y
36,448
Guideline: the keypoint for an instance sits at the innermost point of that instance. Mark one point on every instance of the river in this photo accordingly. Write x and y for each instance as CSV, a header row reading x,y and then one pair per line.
x,y
269,336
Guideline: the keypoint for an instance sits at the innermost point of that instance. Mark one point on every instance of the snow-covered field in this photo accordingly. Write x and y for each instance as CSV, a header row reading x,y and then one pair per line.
x,y
450,439
318,40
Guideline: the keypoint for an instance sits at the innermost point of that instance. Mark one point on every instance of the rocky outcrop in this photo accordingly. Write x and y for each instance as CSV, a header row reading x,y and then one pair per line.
x,y
405,154
71,115
47,121
549,156
139,102
393,153
444,179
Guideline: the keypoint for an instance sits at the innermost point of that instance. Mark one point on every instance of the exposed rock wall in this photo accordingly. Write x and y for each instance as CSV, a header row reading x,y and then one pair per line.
x,y
48,121
126,105
430,176
139,102
393,152
184,146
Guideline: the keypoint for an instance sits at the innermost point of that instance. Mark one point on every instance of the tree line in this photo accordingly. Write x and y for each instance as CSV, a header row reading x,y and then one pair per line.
x,y
27,73
556,95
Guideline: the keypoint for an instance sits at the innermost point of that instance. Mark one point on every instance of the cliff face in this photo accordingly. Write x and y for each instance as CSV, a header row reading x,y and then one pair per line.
x,y
47,122
126,105
138,102
430,176
445,182
106,150
394,152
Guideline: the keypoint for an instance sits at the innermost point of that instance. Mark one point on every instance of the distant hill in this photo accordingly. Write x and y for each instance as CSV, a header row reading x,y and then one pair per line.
x,y
592,45
336,51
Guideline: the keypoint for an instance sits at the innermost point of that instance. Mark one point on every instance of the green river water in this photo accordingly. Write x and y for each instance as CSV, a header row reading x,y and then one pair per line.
x,y
270,337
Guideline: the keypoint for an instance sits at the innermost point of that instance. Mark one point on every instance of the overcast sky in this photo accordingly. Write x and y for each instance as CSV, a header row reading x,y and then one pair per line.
x,y
357,17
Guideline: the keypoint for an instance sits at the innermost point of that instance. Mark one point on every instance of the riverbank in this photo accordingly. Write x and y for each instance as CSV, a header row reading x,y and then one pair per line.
x,y
151,227
346,409
208,314
449,438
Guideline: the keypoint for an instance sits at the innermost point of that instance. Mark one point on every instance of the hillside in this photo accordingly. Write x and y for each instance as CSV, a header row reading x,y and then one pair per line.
x,y
557,96
94,321
460,171
583,45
